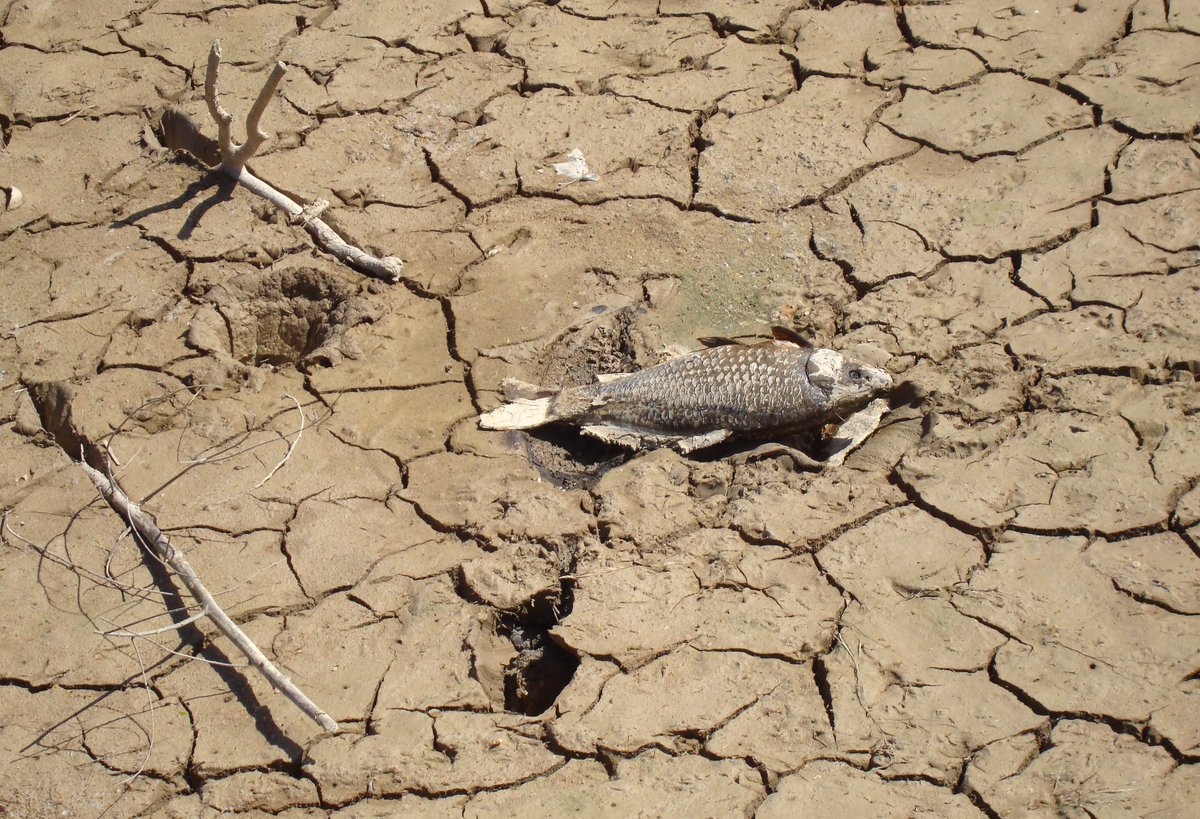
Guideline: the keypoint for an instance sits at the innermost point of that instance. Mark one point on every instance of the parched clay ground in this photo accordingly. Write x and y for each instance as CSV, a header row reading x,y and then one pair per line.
x,y
993,608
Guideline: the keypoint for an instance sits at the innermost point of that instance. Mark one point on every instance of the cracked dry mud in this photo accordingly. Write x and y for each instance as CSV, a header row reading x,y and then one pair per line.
x,y
991,609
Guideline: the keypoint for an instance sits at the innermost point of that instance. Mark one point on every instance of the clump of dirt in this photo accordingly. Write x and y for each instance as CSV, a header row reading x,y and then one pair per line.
x,y
290,317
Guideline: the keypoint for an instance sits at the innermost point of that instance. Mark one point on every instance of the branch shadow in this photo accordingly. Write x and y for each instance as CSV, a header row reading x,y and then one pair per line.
x,y
221,663
212,179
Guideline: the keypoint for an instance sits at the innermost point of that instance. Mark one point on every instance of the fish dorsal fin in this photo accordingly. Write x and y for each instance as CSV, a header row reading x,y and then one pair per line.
x,y
777,334
719,341
790,336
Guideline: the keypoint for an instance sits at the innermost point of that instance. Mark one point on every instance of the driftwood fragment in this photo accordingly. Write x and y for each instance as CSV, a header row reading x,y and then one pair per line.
x,y
54,405
232,162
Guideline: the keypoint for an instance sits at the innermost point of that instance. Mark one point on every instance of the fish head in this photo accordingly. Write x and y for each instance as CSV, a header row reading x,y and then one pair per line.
x,y
847,383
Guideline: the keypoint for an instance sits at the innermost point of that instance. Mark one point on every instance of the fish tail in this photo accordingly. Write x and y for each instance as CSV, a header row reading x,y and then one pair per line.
x,y
528,406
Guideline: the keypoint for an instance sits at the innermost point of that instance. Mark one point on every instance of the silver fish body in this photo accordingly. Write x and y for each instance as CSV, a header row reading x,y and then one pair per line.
x,y
736,387
704,397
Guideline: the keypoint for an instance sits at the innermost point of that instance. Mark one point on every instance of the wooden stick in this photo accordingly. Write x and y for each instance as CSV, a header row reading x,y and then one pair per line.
x,y
154,540
233,164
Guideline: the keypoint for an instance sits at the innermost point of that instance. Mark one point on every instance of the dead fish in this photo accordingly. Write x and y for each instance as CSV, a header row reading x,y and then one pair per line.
x,y
704,397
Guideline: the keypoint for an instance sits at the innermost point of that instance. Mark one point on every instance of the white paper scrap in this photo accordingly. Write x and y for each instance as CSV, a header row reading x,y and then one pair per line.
x,y
575,168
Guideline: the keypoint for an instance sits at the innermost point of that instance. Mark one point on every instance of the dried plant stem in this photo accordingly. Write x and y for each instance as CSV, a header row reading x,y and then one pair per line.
x,y
154,540
233,164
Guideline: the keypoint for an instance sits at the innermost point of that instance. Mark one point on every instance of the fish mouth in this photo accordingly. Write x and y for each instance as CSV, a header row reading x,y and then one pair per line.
x,y
873,381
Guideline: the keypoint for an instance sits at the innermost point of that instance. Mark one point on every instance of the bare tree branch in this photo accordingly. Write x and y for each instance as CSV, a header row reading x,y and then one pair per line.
x,y
213,97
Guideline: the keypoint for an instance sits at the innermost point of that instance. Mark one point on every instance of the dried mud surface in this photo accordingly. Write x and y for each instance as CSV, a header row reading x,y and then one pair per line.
x,y
991,609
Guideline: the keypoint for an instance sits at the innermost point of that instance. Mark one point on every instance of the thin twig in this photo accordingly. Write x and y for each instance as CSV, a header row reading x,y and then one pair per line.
x,y
77,113
291,446
196,658
156,543
151,708
139,592
162,630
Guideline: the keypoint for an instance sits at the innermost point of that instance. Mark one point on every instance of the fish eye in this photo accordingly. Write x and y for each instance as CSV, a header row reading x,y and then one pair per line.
x,y
855,375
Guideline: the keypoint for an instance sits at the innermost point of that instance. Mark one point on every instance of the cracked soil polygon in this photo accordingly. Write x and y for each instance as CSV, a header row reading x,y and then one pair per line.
x,y
766,161
1038,39
1159,95
964,121
688,592
689,784
996,204
829,786
1062,655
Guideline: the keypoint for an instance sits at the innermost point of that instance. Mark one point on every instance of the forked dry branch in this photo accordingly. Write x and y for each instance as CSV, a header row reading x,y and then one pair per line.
x,y
233,164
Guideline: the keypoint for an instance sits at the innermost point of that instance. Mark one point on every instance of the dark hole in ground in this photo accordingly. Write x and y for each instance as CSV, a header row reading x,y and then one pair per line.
x,y
539,672
568,458
542,668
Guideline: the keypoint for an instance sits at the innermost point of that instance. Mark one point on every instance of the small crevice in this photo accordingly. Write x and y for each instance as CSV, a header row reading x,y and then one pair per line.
x,y
1084,531
1149,601
435,175
699,144
855,175
715,210
821,679
986,624
1014,277
914,497
861,288
977,800
901,13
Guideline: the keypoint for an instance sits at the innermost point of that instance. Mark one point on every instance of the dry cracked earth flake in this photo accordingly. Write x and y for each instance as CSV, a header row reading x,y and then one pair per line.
x,y
990,610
